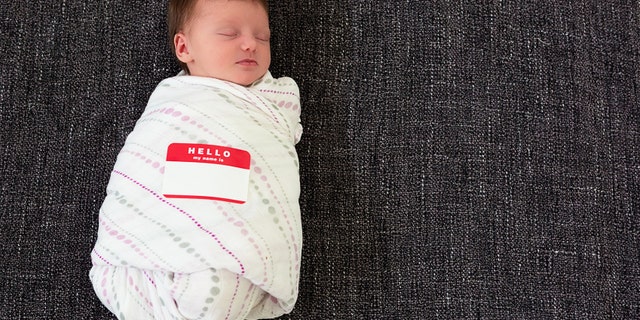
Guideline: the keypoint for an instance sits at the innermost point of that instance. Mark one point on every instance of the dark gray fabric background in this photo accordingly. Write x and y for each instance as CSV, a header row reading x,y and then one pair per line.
x,y
461,159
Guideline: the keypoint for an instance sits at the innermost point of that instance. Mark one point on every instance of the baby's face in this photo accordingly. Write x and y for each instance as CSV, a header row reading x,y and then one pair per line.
x,y
228,40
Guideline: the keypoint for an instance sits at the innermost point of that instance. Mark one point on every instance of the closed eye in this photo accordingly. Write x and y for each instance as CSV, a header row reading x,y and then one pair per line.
x,y
228,34
263,37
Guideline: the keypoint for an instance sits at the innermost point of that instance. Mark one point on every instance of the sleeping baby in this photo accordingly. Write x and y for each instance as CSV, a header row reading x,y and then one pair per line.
x,y
201,218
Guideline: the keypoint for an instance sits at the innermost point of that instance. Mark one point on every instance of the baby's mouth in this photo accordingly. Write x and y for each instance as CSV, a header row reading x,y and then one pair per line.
x,y
247,62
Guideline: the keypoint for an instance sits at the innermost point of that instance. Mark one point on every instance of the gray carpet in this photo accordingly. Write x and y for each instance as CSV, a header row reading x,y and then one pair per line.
x,y
460,160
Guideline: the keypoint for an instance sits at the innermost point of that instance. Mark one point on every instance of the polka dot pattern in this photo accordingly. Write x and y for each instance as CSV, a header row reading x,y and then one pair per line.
x,y
176,250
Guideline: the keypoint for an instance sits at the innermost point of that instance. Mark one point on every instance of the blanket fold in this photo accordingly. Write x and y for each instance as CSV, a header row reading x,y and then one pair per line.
x,y
173,258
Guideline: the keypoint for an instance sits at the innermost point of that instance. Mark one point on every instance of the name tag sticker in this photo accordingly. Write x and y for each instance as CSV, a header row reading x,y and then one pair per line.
x,y
203,171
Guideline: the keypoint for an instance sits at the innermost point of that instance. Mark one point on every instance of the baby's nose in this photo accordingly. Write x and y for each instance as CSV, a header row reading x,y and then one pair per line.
x,y
248,43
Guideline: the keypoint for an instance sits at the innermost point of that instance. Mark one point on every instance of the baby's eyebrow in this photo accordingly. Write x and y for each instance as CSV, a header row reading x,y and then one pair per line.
x,y
225,28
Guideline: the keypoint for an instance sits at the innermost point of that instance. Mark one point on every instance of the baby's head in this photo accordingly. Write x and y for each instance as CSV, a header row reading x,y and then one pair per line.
x,y
223,39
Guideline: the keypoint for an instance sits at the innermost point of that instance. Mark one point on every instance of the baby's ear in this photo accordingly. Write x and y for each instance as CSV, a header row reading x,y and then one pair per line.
x,y
182,48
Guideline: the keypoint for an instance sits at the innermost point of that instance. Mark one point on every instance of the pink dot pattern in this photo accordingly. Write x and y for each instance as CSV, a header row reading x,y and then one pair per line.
x,y
251,249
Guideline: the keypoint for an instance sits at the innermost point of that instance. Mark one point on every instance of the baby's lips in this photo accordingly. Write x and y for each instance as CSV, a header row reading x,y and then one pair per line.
x,y
247,62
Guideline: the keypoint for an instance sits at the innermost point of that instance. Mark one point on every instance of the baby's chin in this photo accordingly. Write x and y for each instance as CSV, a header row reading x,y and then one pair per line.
x,y
239,79
246,81
243,81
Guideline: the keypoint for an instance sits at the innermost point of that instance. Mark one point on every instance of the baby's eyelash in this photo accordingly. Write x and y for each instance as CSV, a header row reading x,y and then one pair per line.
x,y
263,37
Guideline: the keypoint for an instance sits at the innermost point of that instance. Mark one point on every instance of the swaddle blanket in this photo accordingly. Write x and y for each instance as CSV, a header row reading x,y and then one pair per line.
x,y
160,257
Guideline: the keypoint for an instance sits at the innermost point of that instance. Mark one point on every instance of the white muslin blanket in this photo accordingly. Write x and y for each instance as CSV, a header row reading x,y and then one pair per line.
x,y
172,258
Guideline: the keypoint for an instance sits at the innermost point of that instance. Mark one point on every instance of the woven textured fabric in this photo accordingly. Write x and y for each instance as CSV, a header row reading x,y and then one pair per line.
x,y
459,161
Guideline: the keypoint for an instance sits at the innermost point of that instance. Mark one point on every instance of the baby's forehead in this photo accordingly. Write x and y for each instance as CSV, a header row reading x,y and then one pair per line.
x,y
216,7
262,4
215,11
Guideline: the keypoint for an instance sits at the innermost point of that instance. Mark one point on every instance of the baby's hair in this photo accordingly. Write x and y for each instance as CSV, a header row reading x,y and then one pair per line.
x,y
178,14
